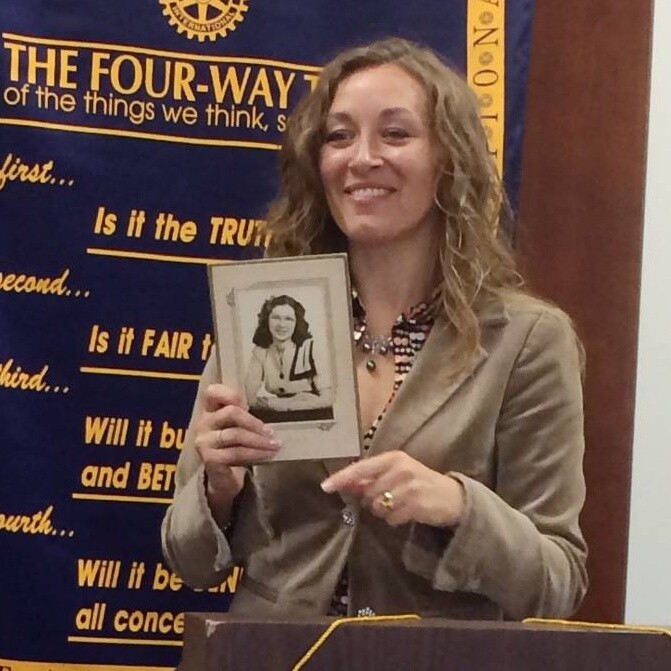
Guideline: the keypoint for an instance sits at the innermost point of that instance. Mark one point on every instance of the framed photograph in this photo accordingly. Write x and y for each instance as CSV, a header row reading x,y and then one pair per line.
x,y
283,329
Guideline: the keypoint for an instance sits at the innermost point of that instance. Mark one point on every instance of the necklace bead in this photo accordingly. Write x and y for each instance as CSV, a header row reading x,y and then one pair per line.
x,y
372,346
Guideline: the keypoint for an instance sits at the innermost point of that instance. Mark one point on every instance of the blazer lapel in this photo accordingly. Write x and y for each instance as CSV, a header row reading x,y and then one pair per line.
x,y
428,386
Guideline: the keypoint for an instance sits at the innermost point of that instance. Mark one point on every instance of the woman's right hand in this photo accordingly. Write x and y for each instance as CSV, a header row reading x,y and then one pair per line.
x,y
228,438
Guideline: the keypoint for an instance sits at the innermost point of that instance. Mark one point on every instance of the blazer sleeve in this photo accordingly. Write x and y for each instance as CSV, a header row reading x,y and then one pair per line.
x,y
193,544
520,544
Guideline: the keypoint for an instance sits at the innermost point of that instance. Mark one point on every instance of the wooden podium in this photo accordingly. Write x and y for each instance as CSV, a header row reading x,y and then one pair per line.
x,y
216,642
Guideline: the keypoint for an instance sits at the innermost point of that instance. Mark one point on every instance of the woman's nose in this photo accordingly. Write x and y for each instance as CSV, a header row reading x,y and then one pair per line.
x,y
366,154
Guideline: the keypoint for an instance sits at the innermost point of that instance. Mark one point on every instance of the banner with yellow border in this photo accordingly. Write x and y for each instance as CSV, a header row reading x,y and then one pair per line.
x,y
138,143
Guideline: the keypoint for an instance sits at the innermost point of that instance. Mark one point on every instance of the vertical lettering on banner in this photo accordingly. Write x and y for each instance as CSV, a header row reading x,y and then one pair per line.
x,y
485,68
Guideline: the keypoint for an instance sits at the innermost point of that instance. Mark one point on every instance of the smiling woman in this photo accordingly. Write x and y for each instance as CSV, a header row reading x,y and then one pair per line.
x,y
283,382
466,502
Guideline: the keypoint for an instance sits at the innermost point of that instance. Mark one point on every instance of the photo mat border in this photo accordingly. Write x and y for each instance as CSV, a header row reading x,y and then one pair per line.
x,y
340,437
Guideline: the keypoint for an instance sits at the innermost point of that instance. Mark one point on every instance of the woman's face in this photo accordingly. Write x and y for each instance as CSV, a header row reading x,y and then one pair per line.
x,y
378,162
282,322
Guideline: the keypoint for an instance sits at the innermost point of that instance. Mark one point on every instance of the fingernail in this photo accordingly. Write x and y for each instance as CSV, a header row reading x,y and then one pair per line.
x,y
327,486
276,443
268,431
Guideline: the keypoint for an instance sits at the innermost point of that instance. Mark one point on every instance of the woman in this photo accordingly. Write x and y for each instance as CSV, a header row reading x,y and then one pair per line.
x,y
467,502
282,383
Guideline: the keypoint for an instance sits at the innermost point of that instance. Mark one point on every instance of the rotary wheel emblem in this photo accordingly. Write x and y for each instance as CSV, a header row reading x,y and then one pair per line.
x,y
204,19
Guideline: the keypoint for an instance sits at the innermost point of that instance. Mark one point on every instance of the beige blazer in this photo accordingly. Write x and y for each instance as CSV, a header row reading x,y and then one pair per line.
x,y
510,429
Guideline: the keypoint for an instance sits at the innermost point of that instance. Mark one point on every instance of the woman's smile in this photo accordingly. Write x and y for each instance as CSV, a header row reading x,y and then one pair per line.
x,y
368,193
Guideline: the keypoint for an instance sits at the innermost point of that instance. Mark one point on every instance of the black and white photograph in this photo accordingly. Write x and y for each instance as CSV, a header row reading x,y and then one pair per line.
x,y
288,375
283,337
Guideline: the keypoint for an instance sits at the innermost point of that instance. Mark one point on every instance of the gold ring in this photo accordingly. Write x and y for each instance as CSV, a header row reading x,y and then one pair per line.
x,y
387,500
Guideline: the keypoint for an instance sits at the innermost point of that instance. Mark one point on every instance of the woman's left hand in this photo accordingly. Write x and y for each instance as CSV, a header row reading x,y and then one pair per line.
x,y
400,489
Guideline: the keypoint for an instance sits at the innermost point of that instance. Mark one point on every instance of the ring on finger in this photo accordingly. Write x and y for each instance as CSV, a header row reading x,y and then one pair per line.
x,y
387,500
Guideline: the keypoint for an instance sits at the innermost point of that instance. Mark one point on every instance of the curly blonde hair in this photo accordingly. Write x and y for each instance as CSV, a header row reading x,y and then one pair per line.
x,y
474,264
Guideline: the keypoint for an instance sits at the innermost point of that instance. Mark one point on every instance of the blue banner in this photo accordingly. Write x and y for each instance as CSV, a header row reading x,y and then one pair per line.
x,y
138,144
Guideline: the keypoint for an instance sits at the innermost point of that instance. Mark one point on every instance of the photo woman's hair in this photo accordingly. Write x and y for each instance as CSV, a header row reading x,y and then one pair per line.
x,y
473,264
263,337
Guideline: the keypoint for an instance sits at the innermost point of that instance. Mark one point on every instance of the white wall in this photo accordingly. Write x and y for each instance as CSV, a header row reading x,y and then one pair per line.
x,y
649,566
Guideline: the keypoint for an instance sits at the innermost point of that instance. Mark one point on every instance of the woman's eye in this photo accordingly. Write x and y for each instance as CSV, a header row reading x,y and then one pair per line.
x,y
395,133
337,135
